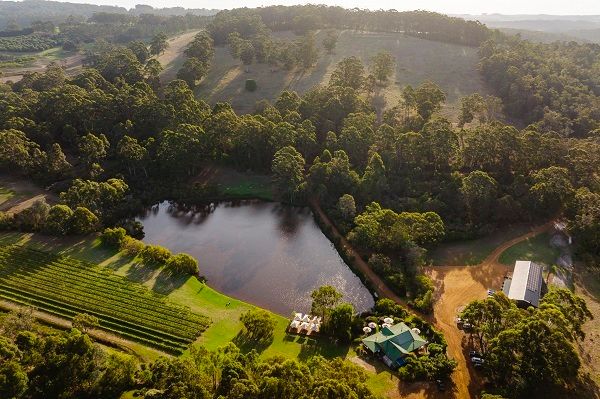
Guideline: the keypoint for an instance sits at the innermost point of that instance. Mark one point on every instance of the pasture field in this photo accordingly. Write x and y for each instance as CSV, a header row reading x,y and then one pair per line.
x,y
64,286
536,249
451,66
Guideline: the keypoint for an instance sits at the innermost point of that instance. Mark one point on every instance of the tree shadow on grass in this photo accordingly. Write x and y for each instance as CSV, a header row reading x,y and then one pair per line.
x,y
118,263
321,346
140,272
246,343
168,281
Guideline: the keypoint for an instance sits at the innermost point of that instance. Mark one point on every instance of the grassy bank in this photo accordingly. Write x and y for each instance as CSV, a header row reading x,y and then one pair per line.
x,y
536,249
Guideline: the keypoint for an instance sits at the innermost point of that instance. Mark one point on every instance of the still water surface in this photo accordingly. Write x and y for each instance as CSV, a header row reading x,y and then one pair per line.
x,y
265,253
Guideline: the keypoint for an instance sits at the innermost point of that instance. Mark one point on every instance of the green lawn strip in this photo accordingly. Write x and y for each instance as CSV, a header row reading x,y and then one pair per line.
x,y
226,326
536,249
248,189
382,382
473,252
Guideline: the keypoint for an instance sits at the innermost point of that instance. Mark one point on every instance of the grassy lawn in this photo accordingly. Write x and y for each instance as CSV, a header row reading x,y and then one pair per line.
x,y
473,252
233,184
536,249
248,189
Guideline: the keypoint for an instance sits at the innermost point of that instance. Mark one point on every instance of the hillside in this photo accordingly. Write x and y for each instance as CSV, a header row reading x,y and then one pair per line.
x,y
451,66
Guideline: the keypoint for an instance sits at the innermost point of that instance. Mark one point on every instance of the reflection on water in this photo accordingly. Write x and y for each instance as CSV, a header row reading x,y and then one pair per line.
x,y
265,253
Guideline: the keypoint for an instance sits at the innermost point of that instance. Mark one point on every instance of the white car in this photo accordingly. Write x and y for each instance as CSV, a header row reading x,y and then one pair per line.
x,y
477,361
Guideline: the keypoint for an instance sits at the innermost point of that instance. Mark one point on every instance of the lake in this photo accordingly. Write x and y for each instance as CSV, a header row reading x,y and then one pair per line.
x,y
264,253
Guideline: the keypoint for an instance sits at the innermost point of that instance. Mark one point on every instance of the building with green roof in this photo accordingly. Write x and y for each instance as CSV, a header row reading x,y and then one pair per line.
x,y
393,343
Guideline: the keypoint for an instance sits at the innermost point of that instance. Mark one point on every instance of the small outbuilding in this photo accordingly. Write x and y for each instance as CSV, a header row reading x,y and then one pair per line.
x,y
526,286
393,343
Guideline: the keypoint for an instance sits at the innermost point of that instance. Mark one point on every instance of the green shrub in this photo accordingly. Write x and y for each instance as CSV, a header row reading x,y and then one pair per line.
x,y
84,221
132,246
259,324
251,85
34,217
6,221
183,263
155,254
59,220
113,237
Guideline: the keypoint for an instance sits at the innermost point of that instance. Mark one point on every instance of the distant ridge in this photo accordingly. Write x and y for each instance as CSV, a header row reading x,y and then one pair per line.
x,y
23,13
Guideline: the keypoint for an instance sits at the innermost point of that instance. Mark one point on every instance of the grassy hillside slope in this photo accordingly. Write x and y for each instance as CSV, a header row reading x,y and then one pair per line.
x,y
451,66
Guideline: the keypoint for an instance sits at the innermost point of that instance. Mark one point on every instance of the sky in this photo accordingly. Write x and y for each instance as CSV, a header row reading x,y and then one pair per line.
x,y
556,7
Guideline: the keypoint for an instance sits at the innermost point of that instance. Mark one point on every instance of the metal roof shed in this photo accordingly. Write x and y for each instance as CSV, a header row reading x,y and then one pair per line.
x,y
526,284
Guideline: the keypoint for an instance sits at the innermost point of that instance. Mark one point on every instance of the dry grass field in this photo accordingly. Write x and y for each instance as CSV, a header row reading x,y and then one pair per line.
x,y
451,66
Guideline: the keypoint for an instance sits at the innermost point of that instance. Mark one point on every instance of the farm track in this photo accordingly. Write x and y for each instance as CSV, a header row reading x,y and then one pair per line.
x,y
456,287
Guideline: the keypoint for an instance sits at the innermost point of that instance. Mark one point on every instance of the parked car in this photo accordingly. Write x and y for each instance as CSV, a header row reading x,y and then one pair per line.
x,y
473,354
477,361
467,326
490,292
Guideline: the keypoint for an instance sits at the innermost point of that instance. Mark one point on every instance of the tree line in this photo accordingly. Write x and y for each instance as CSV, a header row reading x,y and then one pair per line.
x,y
305,18
553,85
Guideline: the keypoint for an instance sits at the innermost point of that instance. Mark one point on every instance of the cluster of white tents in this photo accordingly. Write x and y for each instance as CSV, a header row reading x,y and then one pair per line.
x,y
304,323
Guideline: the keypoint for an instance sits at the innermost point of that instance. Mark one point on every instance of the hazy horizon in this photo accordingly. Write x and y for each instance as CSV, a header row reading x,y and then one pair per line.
x,y
509,7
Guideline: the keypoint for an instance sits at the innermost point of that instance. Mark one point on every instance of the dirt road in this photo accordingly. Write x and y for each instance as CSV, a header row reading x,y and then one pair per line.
x,y
376,282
